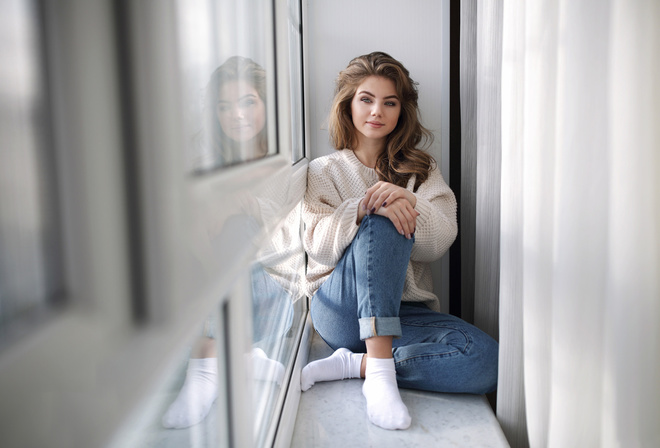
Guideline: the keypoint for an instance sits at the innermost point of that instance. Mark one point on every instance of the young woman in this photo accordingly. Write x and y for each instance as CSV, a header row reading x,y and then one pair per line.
x,y
376,213
234,115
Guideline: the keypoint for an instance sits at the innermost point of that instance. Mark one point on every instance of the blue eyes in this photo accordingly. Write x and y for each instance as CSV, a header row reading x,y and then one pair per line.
x,y
368,100
242,104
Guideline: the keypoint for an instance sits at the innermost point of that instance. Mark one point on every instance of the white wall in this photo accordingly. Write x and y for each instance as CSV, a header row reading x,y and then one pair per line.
x,y
414,32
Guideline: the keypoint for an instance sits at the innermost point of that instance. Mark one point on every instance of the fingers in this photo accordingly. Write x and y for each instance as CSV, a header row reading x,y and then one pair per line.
x,y
378,194
408,221
402,215
382,194
393,202
369,203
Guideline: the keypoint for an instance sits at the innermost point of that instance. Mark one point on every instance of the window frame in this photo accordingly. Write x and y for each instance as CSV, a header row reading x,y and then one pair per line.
x,y
95,363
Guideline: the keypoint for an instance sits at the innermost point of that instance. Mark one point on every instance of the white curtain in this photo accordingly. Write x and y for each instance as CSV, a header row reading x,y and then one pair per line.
x,y
580,224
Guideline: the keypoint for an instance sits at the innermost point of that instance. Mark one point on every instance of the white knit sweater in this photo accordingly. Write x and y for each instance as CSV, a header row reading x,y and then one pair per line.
x,y
335,185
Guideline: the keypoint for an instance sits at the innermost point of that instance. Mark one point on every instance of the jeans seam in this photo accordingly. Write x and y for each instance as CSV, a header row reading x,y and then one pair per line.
x,y
468,339
369,263
429,355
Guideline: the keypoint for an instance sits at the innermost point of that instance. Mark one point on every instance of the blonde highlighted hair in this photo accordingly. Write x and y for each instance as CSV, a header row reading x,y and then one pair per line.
x,y
402,158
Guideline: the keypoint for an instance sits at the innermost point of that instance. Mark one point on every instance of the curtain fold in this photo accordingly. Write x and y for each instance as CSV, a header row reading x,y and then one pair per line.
x,y
580,225
511,408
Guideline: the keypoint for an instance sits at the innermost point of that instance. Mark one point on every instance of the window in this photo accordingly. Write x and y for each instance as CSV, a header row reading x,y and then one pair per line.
x,y
169,239
242,255
227,69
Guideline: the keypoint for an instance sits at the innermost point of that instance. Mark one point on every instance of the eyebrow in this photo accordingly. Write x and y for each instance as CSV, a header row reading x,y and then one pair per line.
x,y
248,95
366,92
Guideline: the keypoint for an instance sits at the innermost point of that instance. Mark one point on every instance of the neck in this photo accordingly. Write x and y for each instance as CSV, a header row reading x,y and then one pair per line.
x,y
367,152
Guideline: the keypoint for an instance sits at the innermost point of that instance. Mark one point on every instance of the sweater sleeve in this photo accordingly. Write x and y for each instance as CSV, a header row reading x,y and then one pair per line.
x,y
436,225
330,220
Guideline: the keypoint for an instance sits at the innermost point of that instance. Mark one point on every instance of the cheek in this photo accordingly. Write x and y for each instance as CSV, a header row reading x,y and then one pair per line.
x,y
355,121
355,111
225,122
356,108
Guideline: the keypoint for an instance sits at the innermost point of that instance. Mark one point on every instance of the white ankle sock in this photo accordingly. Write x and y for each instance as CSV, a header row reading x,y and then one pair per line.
x,y
341,365
266,369
195,398
384,405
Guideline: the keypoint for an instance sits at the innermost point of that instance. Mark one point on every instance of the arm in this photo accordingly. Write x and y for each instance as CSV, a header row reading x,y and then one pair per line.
x,y
330,220
436,225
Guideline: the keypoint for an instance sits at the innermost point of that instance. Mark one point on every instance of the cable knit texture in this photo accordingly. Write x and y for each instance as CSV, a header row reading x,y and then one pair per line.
x,y
335,185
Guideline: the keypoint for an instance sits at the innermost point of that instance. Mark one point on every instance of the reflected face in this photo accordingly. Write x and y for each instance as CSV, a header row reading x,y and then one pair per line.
x,y
240,111
375,109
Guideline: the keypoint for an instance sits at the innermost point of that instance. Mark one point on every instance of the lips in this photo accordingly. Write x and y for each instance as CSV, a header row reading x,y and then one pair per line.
x,y
375,124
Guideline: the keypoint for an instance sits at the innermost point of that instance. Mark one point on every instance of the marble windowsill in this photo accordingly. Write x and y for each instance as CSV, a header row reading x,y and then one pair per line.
x,y
333,414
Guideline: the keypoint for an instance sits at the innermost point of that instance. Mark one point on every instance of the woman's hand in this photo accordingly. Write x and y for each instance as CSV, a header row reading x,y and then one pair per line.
x,y
395,203
402,214
384,193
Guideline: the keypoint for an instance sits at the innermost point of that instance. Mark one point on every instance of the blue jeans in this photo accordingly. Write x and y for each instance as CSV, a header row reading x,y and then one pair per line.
x,y
362,298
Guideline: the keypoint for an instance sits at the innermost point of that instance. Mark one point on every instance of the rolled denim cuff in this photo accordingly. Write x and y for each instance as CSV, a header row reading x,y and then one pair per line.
x,y
379,326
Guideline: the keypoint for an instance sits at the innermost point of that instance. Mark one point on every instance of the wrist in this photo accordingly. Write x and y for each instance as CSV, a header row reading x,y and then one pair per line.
x,y
360,213
413,199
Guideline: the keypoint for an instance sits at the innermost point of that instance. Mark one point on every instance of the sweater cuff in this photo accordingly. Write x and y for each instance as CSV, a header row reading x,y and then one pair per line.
x,y
424,207
348,220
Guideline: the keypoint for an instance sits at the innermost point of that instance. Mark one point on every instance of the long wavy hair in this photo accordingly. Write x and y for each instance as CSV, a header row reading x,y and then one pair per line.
x,y
236,68
402,157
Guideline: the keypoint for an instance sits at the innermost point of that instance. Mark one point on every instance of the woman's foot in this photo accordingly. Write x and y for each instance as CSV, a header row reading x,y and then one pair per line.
x,y
266,369
197,395
384,405
341,365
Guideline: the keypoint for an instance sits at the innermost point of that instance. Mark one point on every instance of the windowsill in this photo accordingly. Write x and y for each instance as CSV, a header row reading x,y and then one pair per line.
x,y
334,414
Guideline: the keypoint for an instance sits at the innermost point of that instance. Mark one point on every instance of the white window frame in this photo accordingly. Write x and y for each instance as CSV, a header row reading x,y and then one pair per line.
x,y
77,379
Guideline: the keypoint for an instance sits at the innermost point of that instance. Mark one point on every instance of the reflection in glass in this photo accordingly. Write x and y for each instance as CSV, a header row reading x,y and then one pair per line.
x,y
186,412
234,117
277,315
275,289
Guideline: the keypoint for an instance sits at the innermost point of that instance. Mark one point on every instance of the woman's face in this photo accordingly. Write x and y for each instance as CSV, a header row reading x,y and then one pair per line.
x,y
240,110
375,109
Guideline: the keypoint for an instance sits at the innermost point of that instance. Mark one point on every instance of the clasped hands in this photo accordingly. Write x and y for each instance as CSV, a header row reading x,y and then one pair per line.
x,y
393,202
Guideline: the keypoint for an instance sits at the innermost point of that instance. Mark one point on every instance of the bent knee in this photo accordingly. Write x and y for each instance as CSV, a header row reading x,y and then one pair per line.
x,y
380,224
384,232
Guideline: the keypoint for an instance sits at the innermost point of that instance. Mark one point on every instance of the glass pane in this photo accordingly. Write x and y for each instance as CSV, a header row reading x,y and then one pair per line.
x,y
30,277
184,411
225,51
226,56
277,317
295,70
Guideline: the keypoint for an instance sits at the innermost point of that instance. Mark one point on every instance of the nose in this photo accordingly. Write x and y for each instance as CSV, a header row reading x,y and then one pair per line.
x,y
376,109
238,113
